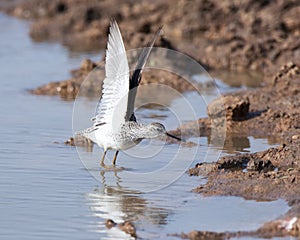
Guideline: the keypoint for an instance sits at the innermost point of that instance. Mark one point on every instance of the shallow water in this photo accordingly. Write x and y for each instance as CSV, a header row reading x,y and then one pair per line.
x,y
47,193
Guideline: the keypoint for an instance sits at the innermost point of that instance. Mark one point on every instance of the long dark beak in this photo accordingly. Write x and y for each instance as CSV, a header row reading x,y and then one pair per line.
x,y
177,138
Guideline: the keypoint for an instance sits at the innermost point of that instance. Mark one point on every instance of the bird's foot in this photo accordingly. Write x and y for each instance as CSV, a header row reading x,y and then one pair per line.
x,y
111,167
105,166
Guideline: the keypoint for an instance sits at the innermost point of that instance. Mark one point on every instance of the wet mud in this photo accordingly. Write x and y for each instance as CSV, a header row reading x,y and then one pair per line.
x,y
268,175
87,81
270,111
231,35
260,35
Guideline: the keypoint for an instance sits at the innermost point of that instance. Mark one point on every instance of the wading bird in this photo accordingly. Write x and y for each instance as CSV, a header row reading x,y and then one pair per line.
x,y
115,126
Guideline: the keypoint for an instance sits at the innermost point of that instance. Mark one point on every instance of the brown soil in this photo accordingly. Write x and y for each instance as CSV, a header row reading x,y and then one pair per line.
x,y
269,111
262,176
95,72
248,34
256,35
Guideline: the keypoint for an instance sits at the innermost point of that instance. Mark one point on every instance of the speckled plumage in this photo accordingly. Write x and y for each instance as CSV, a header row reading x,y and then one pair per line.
x,y
115,125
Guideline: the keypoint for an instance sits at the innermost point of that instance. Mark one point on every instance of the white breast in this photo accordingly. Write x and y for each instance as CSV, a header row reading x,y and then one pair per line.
x,y
109,138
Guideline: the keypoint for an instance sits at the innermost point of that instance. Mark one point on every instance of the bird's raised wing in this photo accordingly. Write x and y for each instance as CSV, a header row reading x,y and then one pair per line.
x,y
113,104
137,76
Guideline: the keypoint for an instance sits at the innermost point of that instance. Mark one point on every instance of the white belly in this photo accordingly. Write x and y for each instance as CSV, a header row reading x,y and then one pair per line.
x,y
107,139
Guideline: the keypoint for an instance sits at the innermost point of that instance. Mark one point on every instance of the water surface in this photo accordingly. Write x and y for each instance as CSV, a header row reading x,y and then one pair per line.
x,y
47,193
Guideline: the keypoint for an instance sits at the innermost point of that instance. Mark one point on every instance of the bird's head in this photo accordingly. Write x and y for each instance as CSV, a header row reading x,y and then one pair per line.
x,y
157,129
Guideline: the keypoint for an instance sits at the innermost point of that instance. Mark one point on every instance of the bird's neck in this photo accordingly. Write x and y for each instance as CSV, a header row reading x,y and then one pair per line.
x,y
138,130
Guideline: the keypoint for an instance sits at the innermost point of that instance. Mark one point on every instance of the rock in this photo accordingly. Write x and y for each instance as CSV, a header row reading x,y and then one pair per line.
x,y
202,169
70,141
238,162
80,141
234,108
127,227
260,165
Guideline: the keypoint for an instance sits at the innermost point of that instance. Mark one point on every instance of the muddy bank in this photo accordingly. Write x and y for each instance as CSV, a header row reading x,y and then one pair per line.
x,y
263,176
259,35
275,229
219,35
87,80
270,111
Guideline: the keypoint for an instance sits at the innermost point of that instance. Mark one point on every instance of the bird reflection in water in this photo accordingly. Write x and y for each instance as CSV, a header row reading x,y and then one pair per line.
x,y
122,210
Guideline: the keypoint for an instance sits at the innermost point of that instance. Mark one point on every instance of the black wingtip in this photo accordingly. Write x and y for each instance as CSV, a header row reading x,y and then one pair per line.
x,y
137,73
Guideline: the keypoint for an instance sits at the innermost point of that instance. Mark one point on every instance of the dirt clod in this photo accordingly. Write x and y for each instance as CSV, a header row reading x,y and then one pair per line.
x,y
232,107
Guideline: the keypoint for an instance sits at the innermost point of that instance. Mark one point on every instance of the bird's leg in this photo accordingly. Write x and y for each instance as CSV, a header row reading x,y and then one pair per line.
x,y
102,159
115,158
